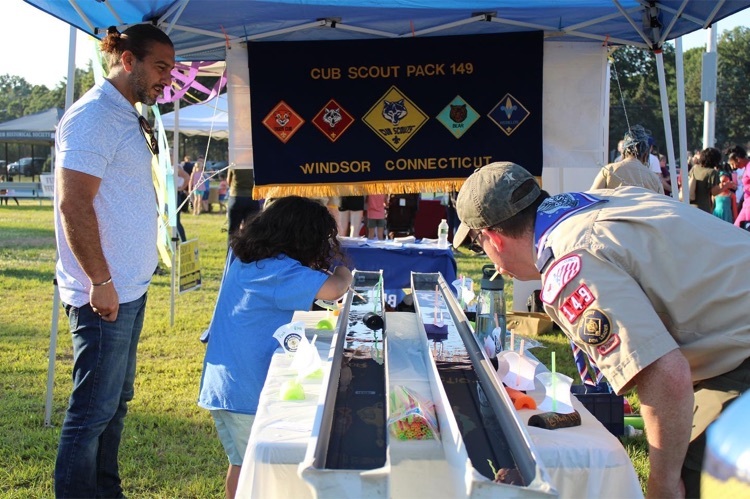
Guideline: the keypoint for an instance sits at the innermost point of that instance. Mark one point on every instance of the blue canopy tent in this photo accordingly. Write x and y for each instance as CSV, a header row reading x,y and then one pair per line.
x,y
201,28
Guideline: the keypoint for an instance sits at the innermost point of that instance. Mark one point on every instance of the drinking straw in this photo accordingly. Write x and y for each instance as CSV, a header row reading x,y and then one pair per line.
x,y
380,293
554,384
520,354
434,306
494,275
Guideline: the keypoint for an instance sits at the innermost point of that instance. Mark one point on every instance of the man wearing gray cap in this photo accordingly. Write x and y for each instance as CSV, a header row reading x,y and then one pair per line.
x,y
619,277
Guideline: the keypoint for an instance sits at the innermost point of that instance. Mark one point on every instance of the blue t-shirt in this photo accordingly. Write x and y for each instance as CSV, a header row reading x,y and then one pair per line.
x,y
255,299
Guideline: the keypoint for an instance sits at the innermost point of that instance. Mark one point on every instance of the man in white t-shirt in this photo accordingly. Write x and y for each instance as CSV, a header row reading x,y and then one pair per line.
x,y
106,229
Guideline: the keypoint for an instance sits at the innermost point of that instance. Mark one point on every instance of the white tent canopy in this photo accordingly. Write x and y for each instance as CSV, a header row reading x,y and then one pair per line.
x,y
210,118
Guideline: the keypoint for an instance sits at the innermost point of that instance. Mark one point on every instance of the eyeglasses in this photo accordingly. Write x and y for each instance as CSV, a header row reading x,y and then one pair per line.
x,y
475,244
148,134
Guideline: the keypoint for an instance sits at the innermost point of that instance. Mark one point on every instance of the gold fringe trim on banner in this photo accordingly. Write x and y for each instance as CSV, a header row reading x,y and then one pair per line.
x,y
358,189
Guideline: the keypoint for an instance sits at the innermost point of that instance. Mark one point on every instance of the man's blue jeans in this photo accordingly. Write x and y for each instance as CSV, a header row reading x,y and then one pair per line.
x,y
103,374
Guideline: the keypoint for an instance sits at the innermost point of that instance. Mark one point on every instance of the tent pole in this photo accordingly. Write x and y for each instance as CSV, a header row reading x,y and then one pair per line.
x,y
175,235
665,115
681,124
70,86
709,105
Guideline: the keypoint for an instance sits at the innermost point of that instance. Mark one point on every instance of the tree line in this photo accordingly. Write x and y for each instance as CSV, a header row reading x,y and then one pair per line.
x,y
634,71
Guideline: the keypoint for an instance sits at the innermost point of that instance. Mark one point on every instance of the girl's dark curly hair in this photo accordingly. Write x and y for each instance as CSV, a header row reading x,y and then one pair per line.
x,y
298,227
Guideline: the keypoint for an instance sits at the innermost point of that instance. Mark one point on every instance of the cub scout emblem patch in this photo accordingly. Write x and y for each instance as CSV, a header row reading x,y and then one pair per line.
x,y
559,275
575,304
595,327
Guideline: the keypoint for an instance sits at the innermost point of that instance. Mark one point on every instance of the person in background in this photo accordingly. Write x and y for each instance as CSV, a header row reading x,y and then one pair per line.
x,y
705,174
351,209
666,181
187,166
223,188
106,232
633,169
737,159
376,204
197,186
183,182
206,191
241,203
282,259
612,280
4,199
725,203
620,146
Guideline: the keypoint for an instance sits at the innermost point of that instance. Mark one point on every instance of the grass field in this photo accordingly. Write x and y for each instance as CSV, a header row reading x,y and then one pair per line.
x,y
169,447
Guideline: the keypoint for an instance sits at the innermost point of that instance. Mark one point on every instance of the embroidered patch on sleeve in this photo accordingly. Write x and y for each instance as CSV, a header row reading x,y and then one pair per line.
x,y
559,275
575,304
595,327
609,346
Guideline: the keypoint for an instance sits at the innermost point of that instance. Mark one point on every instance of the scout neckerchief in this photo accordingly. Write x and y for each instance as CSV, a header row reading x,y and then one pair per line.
x,y
549,215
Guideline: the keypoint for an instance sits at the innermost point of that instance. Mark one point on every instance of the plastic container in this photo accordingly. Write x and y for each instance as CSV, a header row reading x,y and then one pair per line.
x,y
726,467
443,234
490,317
605,406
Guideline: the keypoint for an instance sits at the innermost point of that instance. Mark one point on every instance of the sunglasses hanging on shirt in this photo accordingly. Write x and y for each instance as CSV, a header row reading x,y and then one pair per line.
x,y
148,134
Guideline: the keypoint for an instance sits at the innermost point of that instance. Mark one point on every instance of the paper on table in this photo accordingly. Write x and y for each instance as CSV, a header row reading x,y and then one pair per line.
x,y
516,371
557,396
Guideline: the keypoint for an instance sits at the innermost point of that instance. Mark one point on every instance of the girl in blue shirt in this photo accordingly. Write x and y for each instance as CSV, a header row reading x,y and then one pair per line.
x,y
281,260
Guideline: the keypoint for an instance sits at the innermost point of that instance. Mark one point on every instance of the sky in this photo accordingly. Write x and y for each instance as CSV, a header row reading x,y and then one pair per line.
x,y
35,44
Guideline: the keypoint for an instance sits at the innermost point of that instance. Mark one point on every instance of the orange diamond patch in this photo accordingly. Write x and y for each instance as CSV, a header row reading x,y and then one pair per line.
x,y
283,122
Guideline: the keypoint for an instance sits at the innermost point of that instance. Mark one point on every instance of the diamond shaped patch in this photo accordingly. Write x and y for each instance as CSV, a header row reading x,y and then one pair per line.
x,y
508,114
395,118
332,120
458,116
283,122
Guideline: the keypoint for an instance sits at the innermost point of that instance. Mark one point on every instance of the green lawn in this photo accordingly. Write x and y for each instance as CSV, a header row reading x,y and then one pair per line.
x,y
169,446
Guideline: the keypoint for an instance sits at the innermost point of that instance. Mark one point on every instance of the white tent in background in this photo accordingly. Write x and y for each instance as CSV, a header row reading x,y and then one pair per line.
x,y
209,118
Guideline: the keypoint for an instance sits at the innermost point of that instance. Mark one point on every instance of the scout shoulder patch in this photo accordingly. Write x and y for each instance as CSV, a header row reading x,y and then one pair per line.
x,y
595,327
575,304
558,276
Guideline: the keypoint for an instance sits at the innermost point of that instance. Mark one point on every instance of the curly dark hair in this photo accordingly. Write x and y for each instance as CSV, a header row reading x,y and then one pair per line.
x,y
709,157
297,227
137,39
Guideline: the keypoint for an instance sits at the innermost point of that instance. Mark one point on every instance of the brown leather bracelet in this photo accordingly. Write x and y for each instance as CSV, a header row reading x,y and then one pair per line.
x,y
104,283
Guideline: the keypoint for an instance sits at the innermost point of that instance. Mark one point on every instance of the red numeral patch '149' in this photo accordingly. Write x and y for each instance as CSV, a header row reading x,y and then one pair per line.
x,y
576,303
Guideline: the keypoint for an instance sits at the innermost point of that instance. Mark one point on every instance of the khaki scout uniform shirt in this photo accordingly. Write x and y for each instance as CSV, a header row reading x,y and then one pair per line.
x,y
641,275
629,171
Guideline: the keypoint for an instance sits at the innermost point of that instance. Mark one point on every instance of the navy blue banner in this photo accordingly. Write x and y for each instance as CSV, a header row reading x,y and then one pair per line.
x,y
393,115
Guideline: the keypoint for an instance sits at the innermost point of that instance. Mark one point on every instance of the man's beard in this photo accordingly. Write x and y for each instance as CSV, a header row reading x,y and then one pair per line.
x,y
142,88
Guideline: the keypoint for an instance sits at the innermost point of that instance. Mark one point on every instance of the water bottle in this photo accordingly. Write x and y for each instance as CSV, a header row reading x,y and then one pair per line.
x,y
490,323
443,234
726,469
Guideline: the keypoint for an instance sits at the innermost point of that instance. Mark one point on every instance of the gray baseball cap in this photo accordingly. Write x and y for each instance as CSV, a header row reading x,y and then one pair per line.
x,y
486,198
